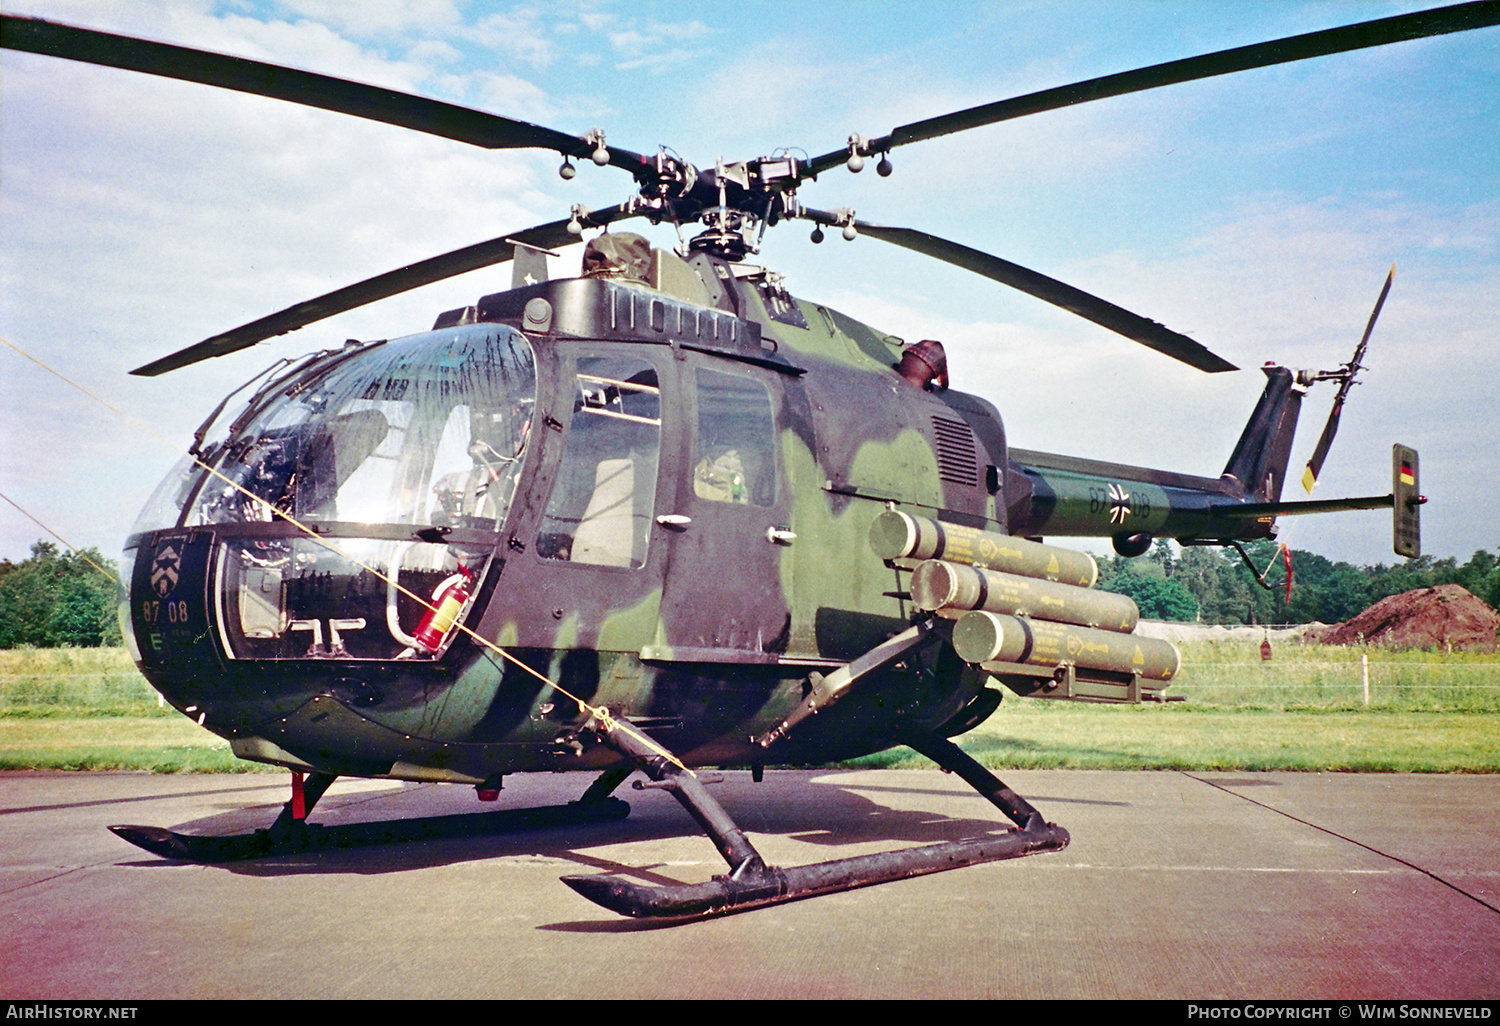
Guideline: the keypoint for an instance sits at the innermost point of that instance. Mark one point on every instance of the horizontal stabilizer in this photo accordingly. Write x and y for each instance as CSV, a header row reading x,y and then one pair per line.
x,y
1291,509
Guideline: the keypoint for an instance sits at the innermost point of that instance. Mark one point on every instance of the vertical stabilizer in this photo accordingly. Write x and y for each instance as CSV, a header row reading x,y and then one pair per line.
x,y
1257,468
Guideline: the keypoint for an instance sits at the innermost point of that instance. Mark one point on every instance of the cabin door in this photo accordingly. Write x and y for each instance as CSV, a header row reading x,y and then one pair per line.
x,y
592,579
728,586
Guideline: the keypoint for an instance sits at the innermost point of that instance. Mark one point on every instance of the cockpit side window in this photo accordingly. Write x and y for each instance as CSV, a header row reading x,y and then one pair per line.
x,y
601,504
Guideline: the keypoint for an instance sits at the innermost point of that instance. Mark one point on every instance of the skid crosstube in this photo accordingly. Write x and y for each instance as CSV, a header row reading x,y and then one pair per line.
x,y
753,884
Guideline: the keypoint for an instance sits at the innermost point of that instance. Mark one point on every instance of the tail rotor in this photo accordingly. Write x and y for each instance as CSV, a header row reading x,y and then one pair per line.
x,y
1345,377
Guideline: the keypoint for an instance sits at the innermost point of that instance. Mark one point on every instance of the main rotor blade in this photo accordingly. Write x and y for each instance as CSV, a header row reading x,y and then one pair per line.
x,y
1050,290
1331,428
1381,32
483,254
375,103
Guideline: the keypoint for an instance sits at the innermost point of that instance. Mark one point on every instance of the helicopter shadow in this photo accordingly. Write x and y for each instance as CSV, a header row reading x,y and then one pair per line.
x,y
131,800
821,810
1035,799
1085,754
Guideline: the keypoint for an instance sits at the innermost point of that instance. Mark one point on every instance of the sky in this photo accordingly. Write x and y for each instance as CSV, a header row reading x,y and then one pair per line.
x,y
1258,213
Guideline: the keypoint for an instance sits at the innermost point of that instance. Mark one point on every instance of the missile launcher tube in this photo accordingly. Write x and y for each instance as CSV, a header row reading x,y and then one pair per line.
x,y
983,637
942,586
897,535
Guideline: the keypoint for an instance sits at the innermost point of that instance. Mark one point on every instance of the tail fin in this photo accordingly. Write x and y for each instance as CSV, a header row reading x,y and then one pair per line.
x,y
1257,467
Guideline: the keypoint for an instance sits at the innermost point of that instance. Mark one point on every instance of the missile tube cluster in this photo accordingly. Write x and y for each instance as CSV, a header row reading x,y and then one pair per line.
x,y
1020,602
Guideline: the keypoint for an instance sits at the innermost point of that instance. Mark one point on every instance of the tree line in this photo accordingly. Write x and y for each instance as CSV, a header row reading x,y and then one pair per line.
x,y
57,598
1214,585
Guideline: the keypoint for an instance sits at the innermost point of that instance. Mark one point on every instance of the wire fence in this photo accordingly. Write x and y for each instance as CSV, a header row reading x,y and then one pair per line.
x,y
1360,680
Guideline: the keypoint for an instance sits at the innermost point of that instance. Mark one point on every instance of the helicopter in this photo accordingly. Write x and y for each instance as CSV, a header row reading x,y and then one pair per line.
x,y
662,515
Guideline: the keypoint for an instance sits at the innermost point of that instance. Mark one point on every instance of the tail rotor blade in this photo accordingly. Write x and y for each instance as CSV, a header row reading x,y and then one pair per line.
x,y
1346,382
1320,452
1385,290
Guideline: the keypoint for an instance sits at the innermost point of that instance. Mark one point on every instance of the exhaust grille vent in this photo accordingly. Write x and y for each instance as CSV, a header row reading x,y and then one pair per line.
x,y
958,462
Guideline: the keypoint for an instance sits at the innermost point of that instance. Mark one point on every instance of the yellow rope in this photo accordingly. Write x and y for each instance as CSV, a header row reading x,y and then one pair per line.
x,y
67,544
601,713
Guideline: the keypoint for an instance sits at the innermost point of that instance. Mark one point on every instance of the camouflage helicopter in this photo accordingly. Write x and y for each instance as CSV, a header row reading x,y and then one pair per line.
x,y
662,515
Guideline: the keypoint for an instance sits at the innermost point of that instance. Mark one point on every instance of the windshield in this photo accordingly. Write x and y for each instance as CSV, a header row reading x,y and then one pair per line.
x,y
427,430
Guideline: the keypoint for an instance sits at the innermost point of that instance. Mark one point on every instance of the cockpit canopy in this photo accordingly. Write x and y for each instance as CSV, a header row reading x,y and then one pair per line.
x,y
428,430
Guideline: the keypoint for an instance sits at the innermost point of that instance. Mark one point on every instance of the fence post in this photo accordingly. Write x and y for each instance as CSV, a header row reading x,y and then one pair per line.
x,y
1364,673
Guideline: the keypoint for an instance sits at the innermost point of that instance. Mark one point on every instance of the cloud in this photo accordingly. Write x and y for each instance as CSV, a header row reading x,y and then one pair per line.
x,y
645,35
370,18
654,46
433,52
518,35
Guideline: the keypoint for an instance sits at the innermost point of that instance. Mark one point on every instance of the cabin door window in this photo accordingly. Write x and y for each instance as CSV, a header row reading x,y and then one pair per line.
x,y
601,505
736,441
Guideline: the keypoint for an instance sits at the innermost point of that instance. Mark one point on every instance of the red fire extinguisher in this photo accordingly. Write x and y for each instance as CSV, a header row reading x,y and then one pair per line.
x,y
447,599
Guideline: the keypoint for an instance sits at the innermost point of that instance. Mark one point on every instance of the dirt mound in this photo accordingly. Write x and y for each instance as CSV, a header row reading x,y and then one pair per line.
x,y
1443,617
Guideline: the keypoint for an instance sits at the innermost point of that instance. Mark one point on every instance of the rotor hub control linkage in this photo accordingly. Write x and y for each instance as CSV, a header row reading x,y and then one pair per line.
x,y
861,147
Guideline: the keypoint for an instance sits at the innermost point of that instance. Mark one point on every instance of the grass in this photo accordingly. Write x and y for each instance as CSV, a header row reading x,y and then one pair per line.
x,y
1429,712
75,682
158,744
1037,734
90,709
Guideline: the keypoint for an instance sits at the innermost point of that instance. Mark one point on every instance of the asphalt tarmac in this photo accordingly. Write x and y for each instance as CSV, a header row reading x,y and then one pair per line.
x,y
1175,886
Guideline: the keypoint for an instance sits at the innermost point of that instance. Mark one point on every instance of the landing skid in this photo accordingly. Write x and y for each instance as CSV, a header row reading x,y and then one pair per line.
x,y
292,834
749,884
753,884
769,885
